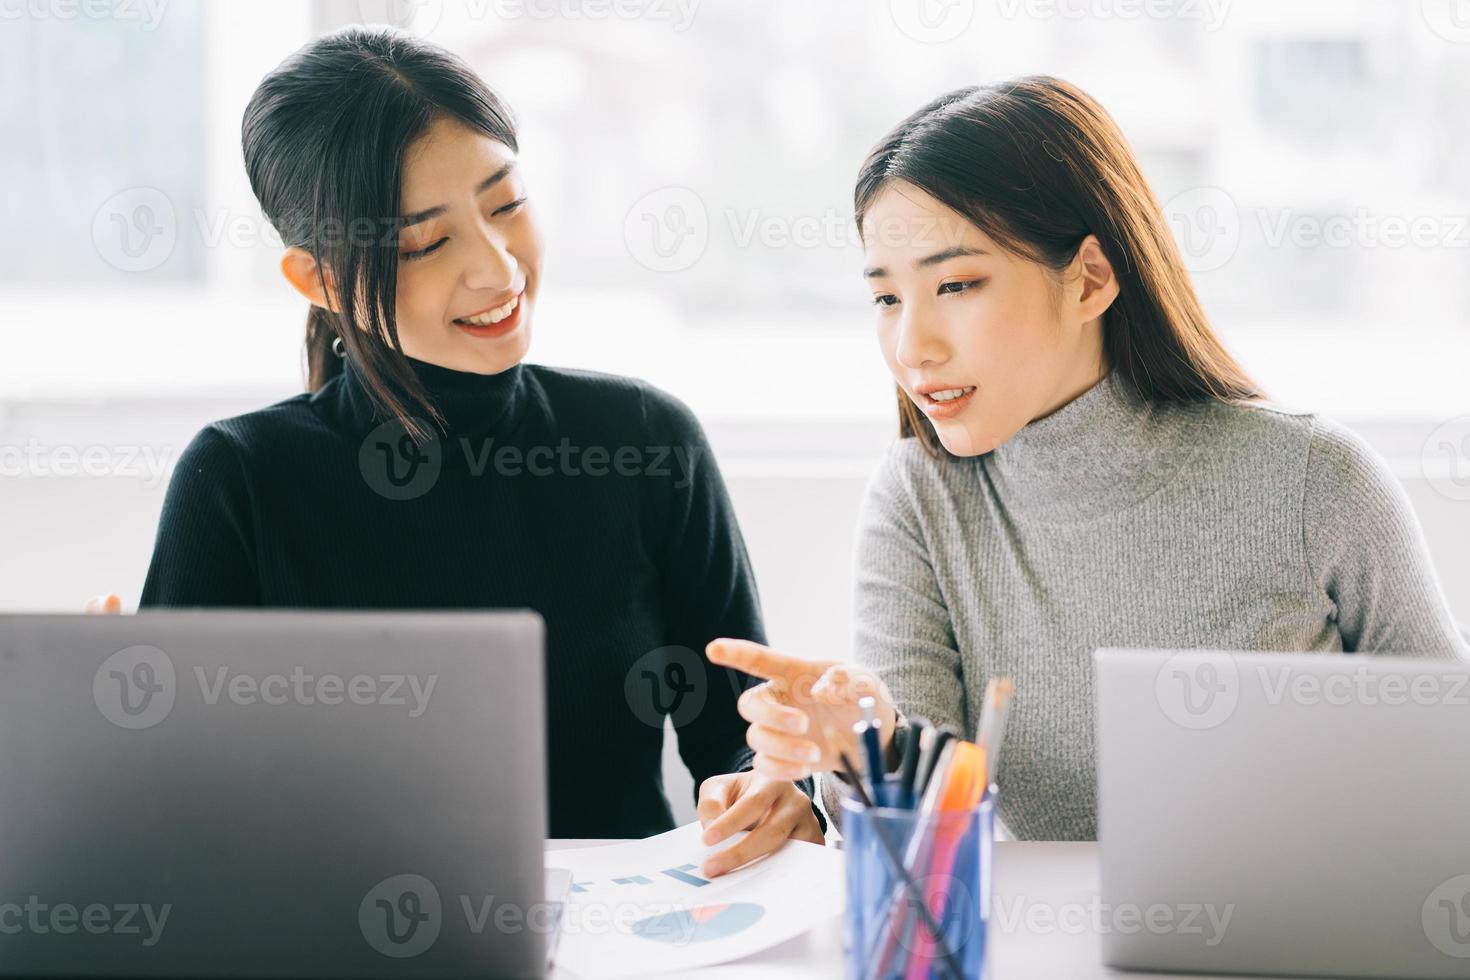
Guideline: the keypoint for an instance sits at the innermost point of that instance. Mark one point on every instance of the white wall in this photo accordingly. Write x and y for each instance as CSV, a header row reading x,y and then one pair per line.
x,y
796,488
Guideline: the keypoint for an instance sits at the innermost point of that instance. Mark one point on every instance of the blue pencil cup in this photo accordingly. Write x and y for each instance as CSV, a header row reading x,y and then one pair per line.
x,y
885,937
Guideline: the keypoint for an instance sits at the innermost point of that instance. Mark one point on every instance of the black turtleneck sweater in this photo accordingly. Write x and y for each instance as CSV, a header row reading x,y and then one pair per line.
x,y
592,499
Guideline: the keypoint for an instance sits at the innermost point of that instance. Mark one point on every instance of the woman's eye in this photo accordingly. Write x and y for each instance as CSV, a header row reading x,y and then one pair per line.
x,y
426,250
958,287
886,299
509,208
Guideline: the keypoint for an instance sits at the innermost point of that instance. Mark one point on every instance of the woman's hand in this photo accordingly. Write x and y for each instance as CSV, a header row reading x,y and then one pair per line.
x,y
803,715
773,810
109,603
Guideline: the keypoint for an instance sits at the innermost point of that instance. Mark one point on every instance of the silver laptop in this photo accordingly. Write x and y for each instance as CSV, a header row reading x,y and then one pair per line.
x,y
272,793
1284,813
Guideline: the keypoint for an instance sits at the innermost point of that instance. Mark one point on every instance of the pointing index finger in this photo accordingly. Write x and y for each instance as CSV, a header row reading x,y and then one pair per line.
x,y
753,658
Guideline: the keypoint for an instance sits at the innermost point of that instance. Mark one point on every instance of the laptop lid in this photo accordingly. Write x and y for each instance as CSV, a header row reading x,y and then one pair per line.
x,y
1284,813
272,793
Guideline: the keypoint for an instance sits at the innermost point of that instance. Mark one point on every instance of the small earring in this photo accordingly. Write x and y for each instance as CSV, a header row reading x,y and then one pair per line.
x,y
337,347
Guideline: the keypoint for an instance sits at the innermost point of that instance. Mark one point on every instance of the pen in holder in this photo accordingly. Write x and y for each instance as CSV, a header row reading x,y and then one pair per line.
x,y
885,934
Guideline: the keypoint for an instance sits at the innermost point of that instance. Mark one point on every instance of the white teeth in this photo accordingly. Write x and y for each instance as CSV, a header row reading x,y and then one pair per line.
x,y
494,316
949,394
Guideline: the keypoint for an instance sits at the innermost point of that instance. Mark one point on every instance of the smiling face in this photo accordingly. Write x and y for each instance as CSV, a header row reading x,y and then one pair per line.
x,y
469,253
982,340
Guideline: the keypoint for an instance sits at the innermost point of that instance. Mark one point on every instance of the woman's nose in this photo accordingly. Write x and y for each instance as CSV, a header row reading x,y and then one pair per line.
x,y
492,267
919,343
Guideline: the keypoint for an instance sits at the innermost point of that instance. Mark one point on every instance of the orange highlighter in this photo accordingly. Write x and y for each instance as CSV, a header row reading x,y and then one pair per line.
x,y
963,790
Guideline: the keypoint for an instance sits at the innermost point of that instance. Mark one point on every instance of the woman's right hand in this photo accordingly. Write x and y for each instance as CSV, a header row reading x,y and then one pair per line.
x,y
802,716
109,603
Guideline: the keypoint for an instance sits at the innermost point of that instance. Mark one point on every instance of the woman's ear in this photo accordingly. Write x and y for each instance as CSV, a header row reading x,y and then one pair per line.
x,y
1099,284
301,270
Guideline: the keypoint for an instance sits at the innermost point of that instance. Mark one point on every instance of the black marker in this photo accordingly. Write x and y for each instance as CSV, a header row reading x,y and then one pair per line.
x,y
909,769
942,735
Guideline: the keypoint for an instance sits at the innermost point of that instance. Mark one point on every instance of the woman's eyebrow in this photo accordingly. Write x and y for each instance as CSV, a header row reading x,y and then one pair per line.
x,y
958,251
438,209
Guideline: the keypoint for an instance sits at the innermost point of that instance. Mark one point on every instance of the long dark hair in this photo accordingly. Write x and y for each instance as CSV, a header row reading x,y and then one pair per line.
x,y
324,137
1038,165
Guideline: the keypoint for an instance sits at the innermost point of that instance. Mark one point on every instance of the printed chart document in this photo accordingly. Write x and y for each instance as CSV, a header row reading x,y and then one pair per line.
x,y
642,907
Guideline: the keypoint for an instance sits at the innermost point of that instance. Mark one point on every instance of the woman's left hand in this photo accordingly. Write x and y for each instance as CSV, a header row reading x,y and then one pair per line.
x,y
772,810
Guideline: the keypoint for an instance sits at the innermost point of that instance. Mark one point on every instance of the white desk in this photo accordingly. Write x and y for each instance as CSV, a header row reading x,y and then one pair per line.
x,y
1043,892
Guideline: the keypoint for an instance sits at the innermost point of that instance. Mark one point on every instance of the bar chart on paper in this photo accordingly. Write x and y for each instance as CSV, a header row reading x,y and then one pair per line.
x,y
684,873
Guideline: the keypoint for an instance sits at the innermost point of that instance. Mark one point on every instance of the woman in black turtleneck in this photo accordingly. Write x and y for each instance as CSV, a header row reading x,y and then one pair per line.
x,y
427,467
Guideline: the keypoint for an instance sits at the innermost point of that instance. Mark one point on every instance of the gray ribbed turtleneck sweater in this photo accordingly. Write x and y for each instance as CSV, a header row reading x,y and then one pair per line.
x,y
1116,523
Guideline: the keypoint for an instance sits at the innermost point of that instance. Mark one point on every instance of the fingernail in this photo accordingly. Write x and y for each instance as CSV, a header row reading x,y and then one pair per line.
x,y
812,753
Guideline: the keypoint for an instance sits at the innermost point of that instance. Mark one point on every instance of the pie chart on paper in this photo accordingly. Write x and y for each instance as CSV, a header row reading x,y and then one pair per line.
x,y
700,924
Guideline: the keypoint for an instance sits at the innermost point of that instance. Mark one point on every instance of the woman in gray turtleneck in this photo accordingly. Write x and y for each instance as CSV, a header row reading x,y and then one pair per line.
x,y
1082,465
